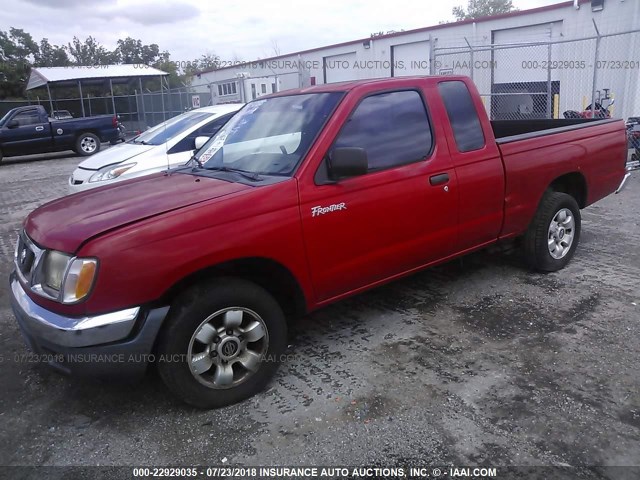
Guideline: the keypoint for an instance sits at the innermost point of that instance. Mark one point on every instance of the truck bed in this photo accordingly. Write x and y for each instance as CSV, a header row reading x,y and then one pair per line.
x,y
534,155
504,130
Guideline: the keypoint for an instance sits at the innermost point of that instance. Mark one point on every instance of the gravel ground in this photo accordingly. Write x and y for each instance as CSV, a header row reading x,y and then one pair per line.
x,y
474,362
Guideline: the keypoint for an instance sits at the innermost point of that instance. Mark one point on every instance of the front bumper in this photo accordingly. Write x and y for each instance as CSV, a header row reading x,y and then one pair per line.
x,y
113,344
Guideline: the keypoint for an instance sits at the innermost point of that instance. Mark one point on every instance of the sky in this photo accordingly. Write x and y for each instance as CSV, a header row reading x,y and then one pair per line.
x,y
233,30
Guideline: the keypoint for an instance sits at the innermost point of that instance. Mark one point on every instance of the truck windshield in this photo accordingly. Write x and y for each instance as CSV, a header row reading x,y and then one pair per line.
x,y
167,130
269,136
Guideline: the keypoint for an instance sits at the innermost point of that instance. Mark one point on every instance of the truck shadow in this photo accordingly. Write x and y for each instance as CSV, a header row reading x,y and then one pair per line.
x,y
39,157
425,290
42,157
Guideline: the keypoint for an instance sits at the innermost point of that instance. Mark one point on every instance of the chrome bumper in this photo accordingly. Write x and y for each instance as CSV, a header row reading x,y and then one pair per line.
x,y
70,331
623,182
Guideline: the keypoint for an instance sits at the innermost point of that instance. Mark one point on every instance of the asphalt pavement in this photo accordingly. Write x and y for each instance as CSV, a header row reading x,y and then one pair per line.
x,y
476,362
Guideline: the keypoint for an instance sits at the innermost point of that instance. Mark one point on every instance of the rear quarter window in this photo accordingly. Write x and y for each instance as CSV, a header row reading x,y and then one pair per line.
x,y
463,115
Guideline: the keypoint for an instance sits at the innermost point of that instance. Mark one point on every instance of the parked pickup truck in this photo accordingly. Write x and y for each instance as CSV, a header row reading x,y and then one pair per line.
x,y
303,198
27,130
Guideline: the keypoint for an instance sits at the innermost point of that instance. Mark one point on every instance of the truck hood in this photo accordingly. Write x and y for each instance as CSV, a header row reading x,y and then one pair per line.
x,y
65,224
116,154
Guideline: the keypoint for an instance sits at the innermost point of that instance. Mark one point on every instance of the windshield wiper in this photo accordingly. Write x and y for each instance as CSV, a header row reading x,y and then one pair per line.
x,y
254,177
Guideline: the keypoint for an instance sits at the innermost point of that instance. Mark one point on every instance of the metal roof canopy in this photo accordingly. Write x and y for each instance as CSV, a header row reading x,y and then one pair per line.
x,y
95,75
69,76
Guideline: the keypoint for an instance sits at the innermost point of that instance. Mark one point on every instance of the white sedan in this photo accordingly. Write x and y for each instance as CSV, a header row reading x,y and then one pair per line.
x,y
166,145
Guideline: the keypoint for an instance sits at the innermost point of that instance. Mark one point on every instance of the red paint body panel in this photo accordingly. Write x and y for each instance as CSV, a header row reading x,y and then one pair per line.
x,y
90,213
150,233
597,152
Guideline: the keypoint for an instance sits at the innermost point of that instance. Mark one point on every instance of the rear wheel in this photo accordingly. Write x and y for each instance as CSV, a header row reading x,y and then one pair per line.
x,y
87,144
554,233
222,343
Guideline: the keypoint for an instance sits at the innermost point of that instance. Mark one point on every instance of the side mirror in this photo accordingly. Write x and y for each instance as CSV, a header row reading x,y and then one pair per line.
x,y
13,124
347,162
200,141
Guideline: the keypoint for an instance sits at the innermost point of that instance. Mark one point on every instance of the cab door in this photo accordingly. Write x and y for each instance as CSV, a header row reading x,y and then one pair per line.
x,y
398,216
26,133
477,161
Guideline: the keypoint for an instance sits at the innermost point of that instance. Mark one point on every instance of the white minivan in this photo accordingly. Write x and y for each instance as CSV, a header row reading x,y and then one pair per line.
x,y
168,144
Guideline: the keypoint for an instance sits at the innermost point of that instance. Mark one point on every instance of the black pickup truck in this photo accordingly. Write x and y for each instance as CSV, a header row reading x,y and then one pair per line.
x,y
27,130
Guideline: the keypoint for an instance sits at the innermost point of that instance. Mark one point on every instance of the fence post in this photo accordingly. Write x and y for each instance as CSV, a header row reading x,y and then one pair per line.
x,y
470,57
113,100
432,56
144,115
50,101
81,97
162,98
595,71
549,94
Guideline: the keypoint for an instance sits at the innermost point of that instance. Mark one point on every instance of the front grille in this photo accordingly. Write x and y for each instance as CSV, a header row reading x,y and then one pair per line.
x,y
27,257
77,182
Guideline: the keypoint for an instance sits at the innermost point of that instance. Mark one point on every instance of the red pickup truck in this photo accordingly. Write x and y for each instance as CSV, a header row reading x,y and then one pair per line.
x,y
304,198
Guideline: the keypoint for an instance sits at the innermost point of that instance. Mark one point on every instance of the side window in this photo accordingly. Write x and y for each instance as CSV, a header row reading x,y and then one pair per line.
x,y
207,130
30,117
462,115
213,126
392,127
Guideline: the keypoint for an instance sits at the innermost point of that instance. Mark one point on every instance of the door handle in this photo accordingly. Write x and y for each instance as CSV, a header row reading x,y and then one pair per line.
x,y
39,129
439,179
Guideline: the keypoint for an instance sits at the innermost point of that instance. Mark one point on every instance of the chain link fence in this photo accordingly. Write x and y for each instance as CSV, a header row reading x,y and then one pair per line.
x,y
551,79
137,111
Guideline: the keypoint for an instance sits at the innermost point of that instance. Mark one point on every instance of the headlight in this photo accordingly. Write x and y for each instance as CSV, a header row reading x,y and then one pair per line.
x,y
55,264
79,279
110,172
65,278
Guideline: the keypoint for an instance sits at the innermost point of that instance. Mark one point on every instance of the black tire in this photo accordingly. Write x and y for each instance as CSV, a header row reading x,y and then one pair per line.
x,y
537,250
1,155
187,314
87,144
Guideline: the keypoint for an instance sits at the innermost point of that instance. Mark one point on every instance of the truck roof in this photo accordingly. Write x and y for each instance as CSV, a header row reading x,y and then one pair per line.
x,y
391,82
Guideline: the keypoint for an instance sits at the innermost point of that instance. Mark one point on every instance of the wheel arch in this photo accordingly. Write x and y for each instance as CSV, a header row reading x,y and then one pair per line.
x,y
87,130
574,184
271,275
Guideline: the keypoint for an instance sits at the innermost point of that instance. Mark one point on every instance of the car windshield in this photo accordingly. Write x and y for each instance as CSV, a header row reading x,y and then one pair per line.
x,y
4,119
269,136
171,128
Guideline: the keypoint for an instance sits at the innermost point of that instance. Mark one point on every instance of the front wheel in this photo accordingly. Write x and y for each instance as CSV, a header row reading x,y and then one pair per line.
x,y
554,233
87,144
222,343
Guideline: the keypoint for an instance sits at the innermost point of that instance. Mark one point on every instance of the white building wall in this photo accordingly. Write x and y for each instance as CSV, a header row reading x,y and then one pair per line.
x,y
411,53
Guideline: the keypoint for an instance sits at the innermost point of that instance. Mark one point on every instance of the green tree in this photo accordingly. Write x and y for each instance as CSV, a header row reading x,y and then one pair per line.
x,y
165,64
207,61
134,51
18,50
483,8
90,53
51,55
